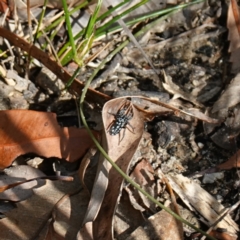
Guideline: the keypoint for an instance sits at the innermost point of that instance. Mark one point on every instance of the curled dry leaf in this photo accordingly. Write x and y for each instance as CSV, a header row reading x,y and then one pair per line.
x,y
152,107
121,152
171,87
201,116
120,145
24,131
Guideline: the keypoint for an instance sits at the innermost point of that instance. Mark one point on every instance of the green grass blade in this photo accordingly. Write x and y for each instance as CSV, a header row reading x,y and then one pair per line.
x,y
40,20
69,29
108,13
59,20
145,17
107,25
99,34
93,20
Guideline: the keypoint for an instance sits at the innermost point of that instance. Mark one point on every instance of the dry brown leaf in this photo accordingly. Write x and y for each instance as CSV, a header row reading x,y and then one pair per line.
x,y
156,107
222,235
20,173
126,218
68,213
232,162
108,183
97,194
121,152
4,7
23,131
233,24
201,116
173,88
27,221
161,225
229,98
143,174
195,197
151,109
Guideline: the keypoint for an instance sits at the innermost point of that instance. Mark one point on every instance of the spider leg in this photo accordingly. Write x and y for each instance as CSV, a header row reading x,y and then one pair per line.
x,y
132,128
112,114
129,110
109,126
123,135
119,138
126,106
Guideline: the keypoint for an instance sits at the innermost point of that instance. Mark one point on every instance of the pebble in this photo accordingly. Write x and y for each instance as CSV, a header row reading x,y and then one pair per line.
x,y
212,177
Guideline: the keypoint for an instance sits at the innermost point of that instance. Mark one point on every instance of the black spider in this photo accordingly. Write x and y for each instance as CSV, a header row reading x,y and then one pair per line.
x,y
122,117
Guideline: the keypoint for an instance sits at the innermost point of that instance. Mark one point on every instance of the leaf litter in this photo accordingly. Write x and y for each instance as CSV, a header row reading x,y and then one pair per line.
x,y
25,132
189,48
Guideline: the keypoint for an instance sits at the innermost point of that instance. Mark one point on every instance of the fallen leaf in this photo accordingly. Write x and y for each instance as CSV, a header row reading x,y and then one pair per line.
x,y
161,225
222,235
4,7
232,162
195,197
29,218
227,110
121,151
24,131
68,213
143,174
173,88
233,24
156,108
229,98
201,116
108,182
20,173
126,218
97,194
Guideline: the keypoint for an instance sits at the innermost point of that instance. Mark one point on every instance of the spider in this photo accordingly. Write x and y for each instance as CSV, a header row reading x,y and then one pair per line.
x,y
122,117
